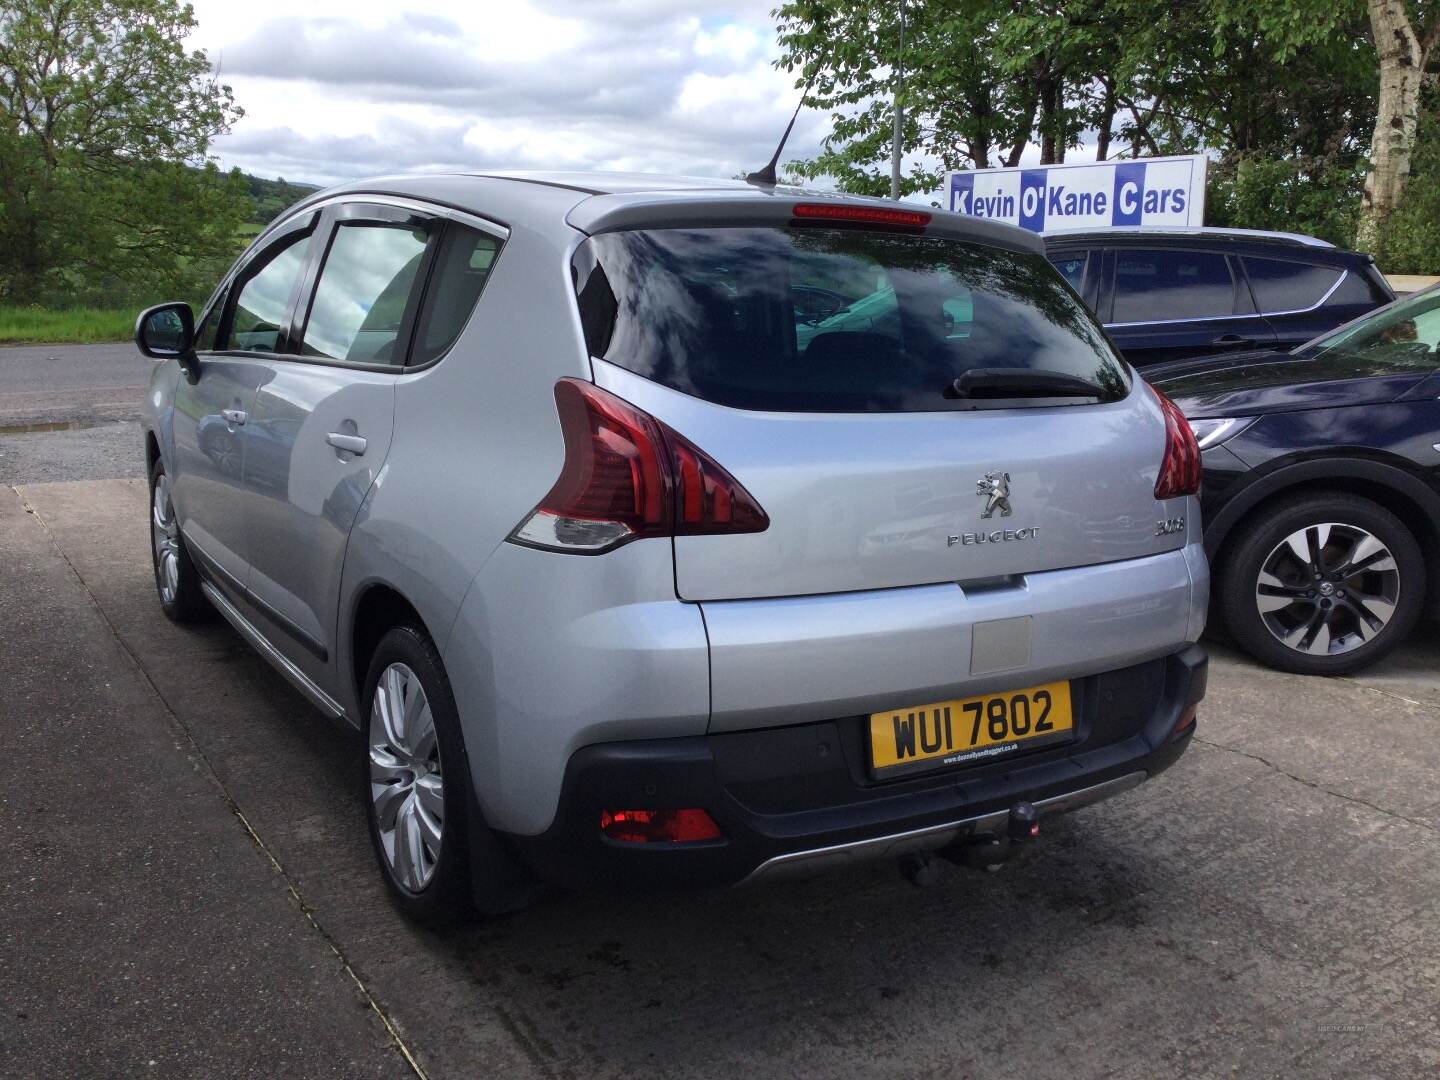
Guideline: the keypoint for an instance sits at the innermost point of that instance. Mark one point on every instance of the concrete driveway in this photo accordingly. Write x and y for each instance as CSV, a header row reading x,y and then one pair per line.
x,y
186,888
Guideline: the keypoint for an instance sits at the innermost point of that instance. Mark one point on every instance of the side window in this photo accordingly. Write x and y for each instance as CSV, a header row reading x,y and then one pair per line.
x,y
1158,286
1281,286
813,304
462,266
259,307
958,313
364,293
1072,268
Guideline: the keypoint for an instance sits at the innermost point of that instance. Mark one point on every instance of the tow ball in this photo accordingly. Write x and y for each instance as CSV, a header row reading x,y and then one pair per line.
x,y
988,853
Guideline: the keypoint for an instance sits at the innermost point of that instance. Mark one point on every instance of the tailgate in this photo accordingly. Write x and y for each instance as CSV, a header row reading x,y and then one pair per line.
x,y
874,501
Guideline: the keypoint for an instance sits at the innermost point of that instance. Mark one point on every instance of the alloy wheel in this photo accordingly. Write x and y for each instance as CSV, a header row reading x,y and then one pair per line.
x,y
406,782
1328,589
165,538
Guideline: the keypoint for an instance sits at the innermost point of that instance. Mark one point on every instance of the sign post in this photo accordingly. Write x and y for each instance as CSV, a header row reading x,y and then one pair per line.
x,y
1167,191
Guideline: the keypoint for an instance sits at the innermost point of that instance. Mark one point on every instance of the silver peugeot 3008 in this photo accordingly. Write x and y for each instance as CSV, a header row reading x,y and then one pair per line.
x,y
635,567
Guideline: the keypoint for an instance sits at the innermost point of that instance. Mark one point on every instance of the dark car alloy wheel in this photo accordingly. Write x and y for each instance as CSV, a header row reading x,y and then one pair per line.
x,y
1322,583
1328,588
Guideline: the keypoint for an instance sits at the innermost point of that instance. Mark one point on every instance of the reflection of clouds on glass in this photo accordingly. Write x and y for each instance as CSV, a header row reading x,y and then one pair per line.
x,y
263,300
360,300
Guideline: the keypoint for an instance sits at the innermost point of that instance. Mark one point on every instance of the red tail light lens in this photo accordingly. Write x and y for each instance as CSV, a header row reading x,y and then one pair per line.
x,y
1180,465
626,475
862,215
707,498
659,826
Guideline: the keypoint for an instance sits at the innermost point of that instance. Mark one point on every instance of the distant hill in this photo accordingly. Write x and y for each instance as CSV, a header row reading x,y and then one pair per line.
x,y
270,197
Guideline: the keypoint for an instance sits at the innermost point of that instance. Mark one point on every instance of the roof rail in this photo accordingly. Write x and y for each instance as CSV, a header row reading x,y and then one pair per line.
x,y
1298,239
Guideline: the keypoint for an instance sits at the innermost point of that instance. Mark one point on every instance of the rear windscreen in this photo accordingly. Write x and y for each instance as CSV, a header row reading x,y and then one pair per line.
x,y
829,320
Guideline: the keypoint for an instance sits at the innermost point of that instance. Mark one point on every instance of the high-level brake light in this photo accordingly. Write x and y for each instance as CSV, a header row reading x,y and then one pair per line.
x,y
861,215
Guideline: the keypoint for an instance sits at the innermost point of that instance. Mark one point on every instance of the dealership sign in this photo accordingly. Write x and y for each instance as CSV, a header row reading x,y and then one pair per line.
x,y
1101,195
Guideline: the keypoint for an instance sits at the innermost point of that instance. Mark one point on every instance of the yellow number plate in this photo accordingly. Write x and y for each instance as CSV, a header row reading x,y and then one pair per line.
x,y
968,731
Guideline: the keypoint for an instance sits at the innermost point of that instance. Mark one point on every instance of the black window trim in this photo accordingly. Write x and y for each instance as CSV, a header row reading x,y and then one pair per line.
x,y
314,217
1237,283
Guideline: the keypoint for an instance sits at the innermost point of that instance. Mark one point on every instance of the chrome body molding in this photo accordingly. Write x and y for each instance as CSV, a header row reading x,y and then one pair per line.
x,y
934,837
257,640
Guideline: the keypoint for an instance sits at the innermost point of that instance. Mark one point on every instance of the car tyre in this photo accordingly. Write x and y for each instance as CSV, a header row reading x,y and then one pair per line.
x,y
417,779
1292,597
177,581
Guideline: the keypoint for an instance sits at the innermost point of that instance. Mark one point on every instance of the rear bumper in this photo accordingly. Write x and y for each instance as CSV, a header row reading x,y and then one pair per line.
x,y
800,797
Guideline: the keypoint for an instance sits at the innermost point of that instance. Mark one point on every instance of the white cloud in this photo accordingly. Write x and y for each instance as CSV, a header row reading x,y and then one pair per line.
x,y
734,43
346,89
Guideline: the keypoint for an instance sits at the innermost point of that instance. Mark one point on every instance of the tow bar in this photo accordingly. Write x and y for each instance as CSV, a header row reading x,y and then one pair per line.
x,y
988,853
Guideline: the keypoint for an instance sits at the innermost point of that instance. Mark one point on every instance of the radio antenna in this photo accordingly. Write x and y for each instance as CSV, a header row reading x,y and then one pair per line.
x,y
766,175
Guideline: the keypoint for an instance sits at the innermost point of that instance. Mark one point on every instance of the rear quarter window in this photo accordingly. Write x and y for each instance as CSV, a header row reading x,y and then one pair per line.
x,y
462,267
1281,285
1357,289
734,316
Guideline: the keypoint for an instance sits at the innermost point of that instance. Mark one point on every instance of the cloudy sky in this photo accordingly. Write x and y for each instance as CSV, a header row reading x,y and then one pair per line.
x,y
355,88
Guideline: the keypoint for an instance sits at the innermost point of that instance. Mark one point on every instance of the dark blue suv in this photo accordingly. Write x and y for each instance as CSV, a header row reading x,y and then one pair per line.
x,y
1171,294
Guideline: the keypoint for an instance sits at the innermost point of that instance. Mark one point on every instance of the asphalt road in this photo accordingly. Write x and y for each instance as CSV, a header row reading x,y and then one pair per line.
x,y
70,412
188,890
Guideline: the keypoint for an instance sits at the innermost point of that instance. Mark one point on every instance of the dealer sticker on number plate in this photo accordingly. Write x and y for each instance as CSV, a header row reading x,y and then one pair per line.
x,y
968,731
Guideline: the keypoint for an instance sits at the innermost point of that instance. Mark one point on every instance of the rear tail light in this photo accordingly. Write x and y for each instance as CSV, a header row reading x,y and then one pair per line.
x,y
1180,465
627,475
659,826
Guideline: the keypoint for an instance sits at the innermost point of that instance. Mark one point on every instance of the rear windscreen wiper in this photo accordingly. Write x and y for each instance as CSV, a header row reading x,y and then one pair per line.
x,y
992,382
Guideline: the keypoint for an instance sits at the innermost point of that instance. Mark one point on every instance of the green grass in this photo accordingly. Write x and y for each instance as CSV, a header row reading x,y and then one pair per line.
x,y
22,324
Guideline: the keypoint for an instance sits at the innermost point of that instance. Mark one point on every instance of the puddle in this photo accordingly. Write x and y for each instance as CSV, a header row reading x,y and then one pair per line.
x,y
49,425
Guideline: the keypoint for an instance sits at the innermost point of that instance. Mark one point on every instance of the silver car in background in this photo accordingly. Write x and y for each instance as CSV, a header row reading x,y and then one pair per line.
x,y
635,566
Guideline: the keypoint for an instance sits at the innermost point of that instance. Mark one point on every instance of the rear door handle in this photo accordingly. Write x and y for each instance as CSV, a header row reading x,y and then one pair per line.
x,y
1233,339
234,416
353,443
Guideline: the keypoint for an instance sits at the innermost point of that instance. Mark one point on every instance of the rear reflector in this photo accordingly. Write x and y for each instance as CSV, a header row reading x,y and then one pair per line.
x,y
1185,723
864,215
1180,465
658,826
626,475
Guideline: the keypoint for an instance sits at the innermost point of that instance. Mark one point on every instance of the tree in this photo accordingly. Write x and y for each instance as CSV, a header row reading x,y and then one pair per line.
x,y
982,77
1405,47
986,78
105,122
1409,241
